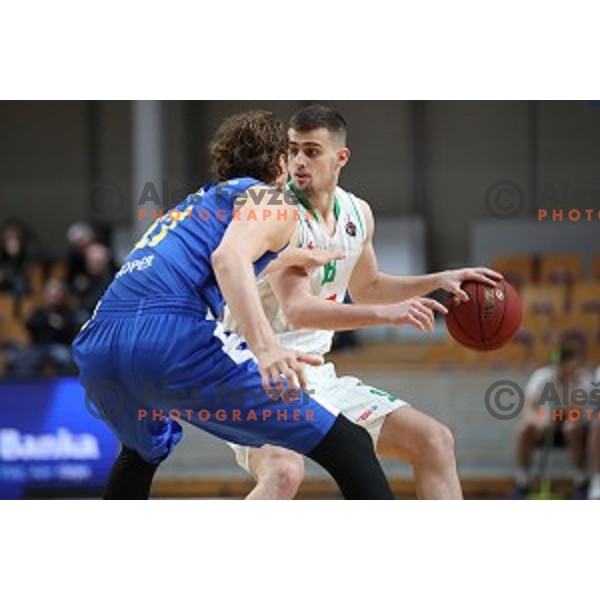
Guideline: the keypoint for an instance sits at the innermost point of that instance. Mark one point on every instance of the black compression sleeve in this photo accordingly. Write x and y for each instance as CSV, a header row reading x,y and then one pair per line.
x,y
130,477
347,453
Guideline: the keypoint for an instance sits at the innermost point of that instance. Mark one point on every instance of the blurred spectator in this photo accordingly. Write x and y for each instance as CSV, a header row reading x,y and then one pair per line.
x,y
52,327
556,382
80,236
594,450
16,258
99,272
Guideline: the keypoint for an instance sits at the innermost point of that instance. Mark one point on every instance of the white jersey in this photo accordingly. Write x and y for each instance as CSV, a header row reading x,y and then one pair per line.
x,y
362,404
329,281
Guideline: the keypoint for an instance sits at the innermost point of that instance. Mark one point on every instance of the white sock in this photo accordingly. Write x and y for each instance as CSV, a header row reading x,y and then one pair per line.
x,y
594,490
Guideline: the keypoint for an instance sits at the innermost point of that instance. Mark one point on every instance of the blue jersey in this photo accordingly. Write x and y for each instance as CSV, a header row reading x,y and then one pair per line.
x,y
152,356
173,258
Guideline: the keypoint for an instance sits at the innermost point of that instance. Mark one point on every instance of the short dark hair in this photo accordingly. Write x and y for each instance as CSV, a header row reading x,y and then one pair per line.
x,y
568,351
248,144
317,116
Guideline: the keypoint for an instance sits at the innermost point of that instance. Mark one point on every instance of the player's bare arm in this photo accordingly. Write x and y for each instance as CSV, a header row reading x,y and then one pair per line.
x,y
303,258
306,311
245,241
368,285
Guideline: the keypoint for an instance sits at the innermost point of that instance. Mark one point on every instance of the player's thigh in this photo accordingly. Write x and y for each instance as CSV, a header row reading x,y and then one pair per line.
x,y
238,409
359,402
105,355
147,431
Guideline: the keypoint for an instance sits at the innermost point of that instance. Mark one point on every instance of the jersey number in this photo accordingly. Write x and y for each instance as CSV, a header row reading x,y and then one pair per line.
x,y
330,271
157,232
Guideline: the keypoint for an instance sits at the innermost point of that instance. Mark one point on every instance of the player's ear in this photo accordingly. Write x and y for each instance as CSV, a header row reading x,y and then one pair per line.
x,y
283,164
343,156
282,172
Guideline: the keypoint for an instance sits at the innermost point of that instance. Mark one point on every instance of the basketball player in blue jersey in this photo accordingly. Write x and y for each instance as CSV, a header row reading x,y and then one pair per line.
x,y
156,328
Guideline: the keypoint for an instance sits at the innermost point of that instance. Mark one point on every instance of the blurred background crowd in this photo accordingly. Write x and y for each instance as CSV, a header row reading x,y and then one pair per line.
x,y
43,302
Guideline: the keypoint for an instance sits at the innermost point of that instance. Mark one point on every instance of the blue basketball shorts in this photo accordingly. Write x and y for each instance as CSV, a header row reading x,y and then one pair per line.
x,y
147,365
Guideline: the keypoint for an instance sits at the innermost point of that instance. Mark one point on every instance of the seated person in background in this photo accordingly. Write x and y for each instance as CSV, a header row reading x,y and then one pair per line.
x,y
594,446
16,257
52,328
555,381
79,236
99,273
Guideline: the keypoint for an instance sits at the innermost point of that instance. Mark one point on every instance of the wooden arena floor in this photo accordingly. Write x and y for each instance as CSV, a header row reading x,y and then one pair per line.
x,y
322,489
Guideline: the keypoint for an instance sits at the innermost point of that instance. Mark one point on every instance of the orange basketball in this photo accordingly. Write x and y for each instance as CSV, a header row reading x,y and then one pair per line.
x,y
489,320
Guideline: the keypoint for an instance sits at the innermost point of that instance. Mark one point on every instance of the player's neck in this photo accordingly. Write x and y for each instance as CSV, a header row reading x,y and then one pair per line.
x,y
322,204
322,201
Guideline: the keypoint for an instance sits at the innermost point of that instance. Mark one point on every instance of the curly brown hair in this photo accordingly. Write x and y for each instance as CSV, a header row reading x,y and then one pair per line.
x,y
248,144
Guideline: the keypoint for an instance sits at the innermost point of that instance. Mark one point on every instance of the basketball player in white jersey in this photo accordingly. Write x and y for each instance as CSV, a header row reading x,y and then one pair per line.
x,y
305,309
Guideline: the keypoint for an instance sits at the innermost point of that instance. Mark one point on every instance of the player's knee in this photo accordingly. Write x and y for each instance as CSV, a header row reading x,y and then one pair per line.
x,y
437,445
284,475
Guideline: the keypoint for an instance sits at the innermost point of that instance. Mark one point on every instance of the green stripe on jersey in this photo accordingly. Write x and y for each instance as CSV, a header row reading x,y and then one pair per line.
x,y
308,206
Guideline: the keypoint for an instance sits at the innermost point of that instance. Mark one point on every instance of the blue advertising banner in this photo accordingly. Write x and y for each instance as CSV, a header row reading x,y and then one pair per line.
x,y
50,444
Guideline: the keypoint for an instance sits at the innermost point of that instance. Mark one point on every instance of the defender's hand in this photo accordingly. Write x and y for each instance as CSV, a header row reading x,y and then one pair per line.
x,y
277,362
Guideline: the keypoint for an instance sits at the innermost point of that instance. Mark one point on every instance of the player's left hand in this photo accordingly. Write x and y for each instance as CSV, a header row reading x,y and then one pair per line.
x,y
452,280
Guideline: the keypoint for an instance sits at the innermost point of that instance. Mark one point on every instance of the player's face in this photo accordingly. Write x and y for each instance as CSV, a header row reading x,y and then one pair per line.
x,y
315,160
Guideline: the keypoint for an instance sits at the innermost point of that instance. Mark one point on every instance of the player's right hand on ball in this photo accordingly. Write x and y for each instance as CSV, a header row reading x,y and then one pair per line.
x,y
277,362
418,312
